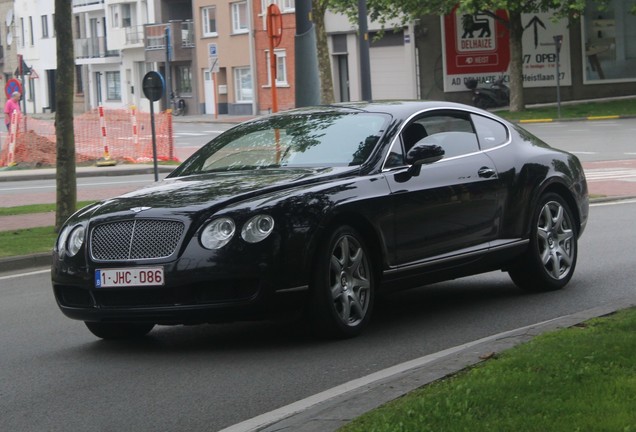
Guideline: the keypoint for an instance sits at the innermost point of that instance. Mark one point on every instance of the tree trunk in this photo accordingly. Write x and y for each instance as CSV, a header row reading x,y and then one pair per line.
x,y
65,136
517,102
324,61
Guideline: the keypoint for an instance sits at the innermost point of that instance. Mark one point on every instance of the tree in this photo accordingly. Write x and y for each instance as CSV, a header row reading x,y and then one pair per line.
x,y
319,8
407,10
64,133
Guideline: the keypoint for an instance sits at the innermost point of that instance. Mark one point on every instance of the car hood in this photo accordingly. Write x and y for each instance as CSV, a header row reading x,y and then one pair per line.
x,y
210,190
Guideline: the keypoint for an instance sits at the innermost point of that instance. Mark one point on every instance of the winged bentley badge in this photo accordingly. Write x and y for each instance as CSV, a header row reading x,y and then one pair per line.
x,y
139,209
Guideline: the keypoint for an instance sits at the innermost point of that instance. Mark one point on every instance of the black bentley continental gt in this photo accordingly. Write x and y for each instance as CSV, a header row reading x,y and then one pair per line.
x,y
325,207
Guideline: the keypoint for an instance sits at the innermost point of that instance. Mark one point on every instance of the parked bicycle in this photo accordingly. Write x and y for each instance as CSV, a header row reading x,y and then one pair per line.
x,y
178,105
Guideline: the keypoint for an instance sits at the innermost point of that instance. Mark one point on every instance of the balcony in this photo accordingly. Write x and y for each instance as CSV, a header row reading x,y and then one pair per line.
x,y
134,36
87,5
93,48
181,41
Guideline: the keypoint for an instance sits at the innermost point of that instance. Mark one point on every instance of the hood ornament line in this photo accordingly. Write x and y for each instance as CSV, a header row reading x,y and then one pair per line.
x,y
139,209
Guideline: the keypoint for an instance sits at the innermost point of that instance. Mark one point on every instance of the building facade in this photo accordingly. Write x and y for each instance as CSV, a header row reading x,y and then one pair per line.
x,y
214,54
224,56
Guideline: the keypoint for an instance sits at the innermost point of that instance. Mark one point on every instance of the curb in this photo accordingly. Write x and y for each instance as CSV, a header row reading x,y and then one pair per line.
x,y
24,262
50,173
573,119
330,410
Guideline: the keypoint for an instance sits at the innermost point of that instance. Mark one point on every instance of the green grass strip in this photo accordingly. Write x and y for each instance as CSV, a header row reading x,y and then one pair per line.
x,y
577,379
27,241
35,208
591,110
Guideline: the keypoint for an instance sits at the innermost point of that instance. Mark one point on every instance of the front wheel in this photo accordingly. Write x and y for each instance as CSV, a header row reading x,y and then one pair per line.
x,y
343,285
551,257
112,331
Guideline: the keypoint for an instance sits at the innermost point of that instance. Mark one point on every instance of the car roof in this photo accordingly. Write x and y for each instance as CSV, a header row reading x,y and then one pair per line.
x,y
400,109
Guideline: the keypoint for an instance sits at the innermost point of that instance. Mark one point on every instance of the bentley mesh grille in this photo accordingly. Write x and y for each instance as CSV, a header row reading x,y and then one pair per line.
x,y
135,239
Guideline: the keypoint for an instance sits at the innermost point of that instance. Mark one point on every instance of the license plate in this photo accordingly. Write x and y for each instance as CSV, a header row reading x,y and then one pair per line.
x,y
127,277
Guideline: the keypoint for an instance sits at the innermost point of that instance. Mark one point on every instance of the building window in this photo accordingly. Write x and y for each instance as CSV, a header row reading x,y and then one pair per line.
x,y
31,31
126,15
45,27
609,52
243,85
79,83
208,16
113,86
122,15
184,80
22,33
239,17
281,68
283,5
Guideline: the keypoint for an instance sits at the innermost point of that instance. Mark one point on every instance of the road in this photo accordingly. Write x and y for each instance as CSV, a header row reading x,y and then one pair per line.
x,y
56,376
599,140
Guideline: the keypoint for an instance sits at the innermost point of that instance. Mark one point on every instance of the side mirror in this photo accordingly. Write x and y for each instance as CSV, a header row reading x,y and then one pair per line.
x,y
420,154
424,154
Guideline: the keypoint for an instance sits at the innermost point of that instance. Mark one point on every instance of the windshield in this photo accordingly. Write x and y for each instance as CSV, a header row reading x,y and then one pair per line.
x,y
291,140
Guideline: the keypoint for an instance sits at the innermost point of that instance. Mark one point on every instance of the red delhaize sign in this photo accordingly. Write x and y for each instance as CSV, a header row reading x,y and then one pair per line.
x,y
475,44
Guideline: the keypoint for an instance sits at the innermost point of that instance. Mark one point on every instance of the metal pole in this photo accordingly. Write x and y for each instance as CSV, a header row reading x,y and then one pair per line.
x,y
363,42
557,43
154,139
168,75
306,68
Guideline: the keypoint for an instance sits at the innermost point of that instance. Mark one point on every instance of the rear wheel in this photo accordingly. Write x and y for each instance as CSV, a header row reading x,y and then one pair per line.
x,y
343,285
551,257
483,102
113,331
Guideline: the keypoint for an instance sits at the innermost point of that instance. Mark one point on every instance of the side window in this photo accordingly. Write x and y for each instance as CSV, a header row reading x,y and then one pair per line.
x,y
451,130
490,133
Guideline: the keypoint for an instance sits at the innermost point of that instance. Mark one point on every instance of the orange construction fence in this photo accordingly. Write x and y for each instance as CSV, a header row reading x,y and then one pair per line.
x,y
124,135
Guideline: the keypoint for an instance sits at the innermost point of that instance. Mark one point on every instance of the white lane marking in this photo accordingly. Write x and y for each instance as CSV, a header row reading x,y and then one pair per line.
x,y
19,275
79,184
610,174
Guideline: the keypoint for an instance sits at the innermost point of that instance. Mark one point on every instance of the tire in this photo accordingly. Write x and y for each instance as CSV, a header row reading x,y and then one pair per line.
x,y
483,102
114,331
550,260
343,285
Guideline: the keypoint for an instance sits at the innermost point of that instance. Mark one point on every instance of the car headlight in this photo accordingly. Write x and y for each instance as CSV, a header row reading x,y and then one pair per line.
x,y
257,228
61,240
75,240
217,233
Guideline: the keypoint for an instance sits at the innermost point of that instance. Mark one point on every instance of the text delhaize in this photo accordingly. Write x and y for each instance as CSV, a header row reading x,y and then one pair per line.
x,y
476,43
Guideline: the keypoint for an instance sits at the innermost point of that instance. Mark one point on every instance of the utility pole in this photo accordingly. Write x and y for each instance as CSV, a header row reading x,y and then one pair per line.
x,y
307,77
363,42
168,77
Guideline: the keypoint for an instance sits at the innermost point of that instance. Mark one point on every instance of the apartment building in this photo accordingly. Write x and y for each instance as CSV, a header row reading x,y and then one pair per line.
x,y
30,37
224,56
284,54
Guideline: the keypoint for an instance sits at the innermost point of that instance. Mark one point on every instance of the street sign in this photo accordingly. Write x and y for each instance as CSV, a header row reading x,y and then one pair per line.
x,y
212,50
213,64
153,86
12,85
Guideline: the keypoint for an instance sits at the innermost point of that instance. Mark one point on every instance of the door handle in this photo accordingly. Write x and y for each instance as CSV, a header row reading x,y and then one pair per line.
x,y
486,172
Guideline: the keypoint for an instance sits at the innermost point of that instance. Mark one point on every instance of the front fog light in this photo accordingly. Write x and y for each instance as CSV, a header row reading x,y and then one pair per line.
x,y
217,233
257,228
75,240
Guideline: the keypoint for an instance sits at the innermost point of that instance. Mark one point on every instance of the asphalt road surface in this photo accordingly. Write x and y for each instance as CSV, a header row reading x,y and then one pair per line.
x,y
55,376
